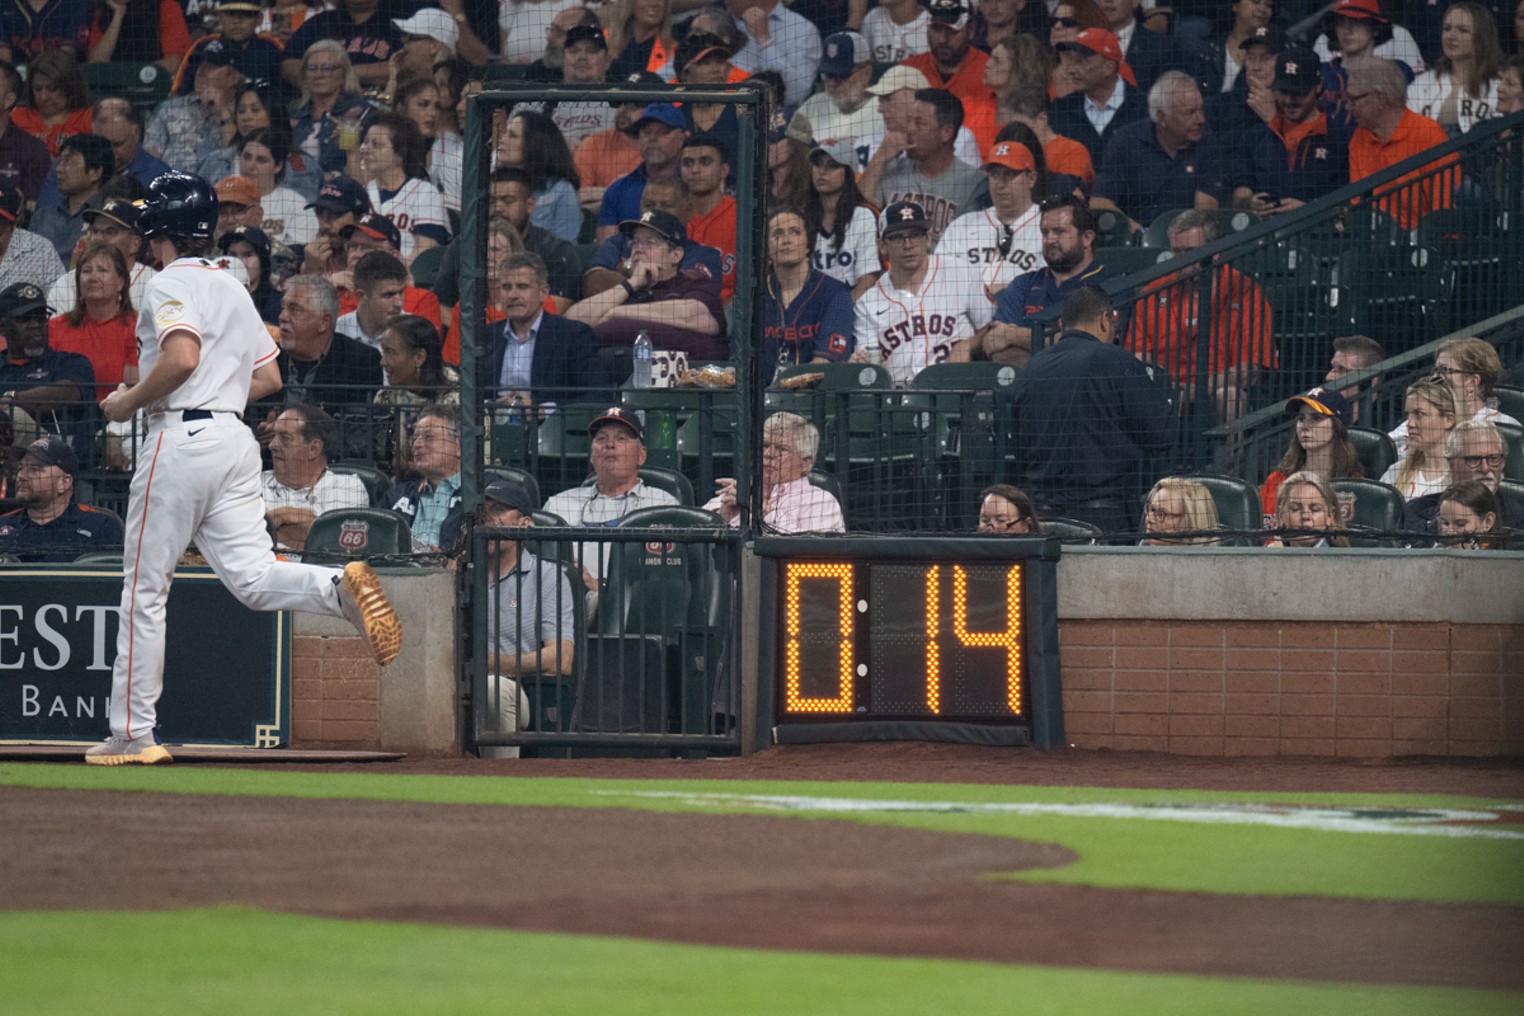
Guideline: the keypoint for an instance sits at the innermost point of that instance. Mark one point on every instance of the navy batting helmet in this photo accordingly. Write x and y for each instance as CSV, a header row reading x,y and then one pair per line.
x,y
179,204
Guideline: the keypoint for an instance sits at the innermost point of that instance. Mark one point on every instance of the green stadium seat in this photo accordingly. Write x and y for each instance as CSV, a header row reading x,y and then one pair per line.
x,y
1071,531
1397,295
1112,229
1237,502
972,420
562,445
1128,260
669,480
100,557
145,85
425,266
706,446
1510,401
1282,263
1358,226
1513,467
1304,321
1369,507
376,482
1227,220
675,592
1376,450
521,476
587,233
1472,241
346,534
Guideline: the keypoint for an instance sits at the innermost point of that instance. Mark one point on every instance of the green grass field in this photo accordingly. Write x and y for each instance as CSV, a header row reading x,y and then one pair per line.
x,y
230,960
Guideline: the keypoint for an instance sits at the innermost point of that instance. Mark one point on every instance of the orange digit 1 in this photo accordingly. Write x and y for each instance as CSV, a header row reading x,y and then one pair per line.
x,y
933,625
1009,640
794,576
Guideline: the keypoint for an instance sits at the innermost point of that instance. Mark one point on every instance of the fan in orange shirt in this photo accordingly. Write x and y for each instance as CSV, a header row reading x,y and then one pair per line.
x,y
1166,324
713,212
1386,133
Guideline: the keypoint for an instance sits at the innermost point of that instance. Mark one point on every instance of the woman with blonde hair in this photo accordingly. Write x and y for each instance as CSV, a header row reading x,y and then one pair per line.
x,y
1430,408
1461,89
1179,505
326,121
1308,505
640,36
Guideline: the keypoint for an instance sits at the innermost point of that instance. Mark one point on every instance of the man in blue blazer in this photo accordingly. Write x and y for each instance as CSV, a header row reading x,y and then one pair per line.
x,y
541,358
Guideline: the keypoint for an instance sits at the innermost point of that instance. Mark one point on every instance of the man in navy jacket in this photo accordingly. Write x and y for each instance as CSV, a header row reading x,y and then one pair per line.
x,y
542,358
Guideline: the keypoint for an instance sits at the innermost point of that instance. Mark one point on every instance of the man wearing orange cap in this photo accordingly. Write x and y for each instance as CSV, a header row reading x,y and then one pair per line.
x,y
238,204
1149,54
1004,240
1105,97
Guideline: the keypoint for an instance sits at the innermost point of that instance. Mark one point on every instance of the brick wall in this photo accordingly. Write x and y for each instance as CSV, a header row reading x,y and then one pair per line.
x,y
1222,687
335,693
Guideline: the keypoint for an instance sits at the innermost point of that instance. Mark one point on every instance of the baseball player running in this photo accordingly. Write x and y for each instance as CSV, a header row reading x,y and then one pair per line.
x,y
204,354
923,307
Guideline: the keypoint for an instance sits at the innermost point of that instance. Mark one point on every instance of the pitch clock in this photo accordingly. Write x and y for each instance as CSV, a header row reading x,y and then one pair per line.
x,y
889,638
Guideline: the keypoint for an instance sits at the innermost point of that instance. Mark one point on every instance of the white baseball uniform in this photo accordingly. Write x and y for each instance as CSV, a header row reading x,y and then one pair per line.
x,y
859,249
892,43
912,330
1000,252
416,203
198,478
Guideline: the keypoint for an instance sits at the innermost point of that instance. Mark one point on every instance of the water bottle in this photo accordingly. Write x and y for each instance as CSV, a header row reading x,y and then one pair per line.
x,y
641,376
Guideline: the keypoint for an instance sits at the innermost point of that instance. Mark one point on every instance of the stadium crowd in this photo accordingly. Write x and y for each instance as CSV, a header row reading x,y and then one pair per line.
x,y
934,178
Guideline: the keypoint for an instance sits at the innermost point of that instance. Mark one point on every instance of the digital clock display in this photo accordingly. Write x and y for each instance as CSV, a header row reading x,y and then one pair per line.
x,y
881,638
911,640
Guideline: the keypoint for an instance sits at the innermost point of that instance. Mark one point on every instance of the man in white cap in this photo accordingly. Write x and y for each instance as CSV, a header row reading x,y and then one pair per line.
x,y
429,36
896,108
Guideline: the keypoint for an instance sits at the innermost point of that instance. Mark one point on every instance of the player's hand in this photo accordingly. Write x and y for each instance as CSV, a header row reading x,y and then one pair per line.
x,y
116,406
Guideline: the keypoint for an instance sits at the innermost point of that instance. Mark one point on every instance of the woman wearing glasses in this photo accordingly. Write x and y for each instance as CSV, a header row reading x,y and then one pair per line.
x,y
1472,369
1069,17
1178,505
326,122
1007,510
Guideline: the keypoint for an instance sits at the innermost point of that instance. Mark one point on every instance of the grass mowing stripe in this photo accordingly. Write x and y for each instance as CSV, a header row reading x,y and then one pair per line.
x,y
233,961
1113,853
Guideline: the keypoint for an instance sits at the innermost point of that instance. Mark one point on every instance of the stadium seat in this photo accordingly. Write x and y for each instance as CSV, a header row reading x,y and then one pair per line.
x,y
345,534
1376,450
669,480
1071,531
1512,491
972,422
1358,226
1510,401
1369,506
706,446
562,445
100,557
831,485
1127,260
1280,263
1471,240
523,477
426,266
1513,466
1397,295
1113,230
1304,321
1156,233
1237,502
145,85
376,482
674,591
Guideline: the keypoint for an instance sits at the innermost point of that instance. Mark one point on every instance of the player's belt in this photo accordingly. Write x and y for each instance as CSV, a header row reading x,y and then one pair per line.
x,y
191,415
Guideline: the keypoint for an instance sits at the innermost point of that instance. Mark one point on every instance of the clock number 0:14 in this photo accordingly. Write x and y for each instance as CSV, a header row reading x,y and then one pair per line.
x,y
795,574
